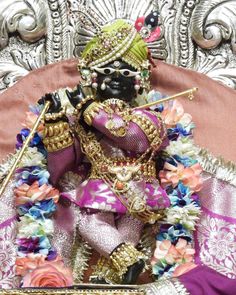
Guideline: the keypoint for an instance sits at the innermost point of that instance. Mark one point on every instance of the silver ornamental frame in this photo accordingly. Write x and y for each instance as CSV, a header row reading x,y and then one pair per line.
x,y
196,34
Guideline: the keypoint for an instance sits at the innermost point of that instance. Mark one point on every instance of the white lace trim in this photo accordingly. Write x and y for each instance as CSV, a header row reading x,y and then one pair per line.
x,y
217,166
164,287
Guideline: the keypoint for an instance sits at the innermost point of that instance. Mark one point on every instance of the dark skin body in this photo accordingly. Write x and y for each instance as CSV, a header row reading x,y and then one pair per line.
x,y
117,86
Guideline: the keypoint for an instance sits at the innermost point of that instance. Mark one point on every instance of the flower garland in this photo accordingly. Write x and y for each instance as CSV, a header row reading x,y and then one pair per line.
x,y
180,176
36,201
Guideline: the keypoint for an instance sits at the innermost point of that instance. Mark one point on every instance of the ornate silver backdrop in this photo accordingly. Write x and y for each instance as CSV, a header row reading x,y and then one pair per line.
x,y
196,34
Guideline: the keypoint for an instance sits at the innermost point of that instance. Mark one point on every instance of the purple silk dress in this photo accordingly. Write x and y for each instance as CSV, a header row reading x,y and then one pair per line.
x,y
95,194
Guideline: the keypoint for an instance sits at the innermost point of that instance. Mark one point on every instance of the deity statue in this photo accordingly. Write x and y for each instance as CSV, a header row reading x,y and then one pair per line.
x,y
138,168
121,192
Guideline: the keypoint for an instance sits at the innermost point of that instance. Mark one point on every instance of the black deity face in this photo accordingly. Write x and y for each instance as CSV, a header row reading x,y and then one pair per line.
x,y
116,80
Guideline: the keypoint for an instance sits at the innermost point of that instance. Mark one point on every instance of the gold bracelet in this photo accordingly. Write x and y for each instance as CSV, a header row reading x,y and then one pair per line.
x,y
55,116
57,136
104,269
58,142
91,111
125,256
83,101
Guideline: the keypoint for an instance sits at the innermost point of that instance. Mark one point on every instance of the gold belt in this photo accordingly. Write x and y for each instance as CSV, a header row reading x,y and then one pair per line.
x,y
124,169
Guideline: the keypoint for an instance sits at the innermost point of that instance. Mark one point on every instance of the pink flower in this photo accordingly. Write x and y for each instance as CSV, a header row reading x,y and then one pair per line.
x,y
190,176
34,193
30,120
182,252
175,114
30,262
164,250
49,274
185,252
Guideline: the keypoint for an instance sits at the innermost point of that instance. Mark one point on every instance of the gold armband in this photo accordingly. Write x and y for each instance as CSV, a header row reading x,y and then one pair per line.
x,y
150,130
57,136
55,129
91,112
83,101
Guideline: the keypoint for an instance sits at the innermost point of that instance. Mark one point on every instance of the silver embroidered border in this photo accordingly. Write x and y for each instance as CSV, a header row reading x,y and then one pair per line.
x,y
164,287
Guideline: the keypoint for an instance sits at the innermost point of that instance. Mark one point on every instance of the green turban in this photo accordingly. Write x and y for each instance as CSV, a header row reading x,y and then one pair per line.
x,y
119,40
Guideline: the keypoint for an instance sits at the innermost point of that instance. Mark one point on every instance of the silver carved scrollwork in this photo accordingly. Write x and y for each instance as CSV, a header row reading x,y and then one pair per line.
x,y
196,34
213,22
26,17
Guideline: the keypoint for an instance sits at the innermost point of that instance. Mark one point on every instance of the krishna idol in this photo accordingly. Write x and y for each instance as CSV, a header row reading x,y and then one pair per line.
x,y
121,192
119,143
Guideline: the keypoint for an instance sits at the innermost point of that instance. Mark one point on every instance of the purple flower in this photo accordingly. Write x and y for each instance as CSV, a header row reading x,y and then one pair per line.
x,y
28,245
36,141
36,109
52,254
34,245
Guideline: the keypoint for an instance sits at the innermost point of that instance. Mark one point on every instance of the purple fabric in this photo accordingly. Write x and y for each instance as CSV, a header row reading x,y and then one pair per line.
x,y
203,280
62,161
95,194
134,140
215,238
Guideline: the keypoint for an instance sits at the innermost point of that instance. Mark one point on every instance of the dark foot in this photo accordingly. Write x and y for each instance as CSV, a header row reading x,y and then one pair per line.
x,y
98,281
133,272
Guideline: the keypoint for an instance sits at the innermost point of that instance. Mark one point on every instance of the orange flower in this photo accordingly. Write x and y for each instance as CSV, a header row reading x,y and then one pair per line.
x,y
30,262
164,250
50,274
34,193
185,251
190,176
175,114
182,252
30,120
183,268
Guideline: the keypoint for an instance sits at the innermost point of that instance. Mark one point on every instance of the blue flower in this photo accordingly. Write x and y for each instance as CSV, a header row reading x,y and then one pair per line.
x,y
39,210
181,196
160,268
186,161
31,174
173,233
179,130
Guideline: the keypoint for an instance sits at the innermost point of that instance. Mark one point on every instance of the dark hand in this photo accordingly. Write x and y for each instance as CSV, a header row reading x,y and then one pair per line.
x,y
55,103
75,96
